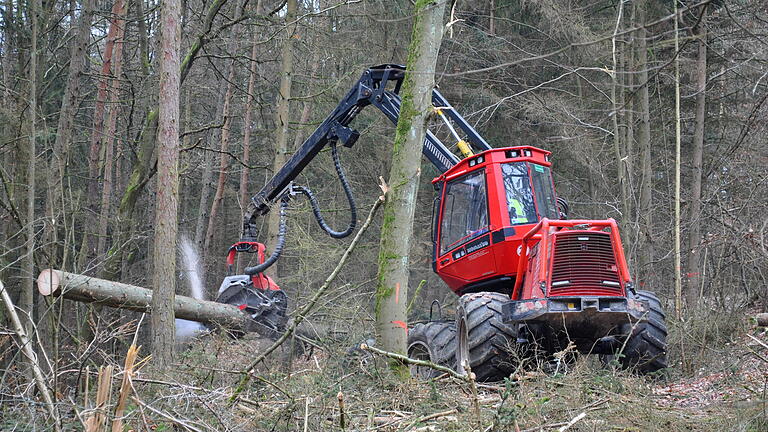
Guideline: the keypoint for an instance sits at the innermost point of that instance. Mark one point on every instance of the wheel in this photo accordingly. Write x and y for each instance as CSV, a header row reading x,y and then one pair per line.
x,y
434,341
646,348
482,337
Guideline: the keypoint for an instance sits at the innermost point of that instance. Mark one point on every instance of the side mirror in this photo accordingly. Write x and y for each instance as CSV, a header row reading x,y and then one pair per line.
x,y
562,208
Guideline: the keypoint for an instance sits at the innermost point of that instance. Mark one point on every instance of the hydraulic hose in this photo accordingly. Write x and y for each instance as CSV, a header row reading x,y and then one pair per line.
x,y
347,190
250,271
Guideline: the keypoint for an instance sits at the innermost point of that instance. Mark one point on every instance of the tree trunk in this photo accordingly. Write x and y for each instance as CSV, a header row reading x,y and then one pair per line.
x,y
143,167
69,104
166,225
143,45
644,144
397,228
88,289
206,185
26,297
492,18
97,134
619,153
214,220
695,217
283,118
110,133
249,100
678,276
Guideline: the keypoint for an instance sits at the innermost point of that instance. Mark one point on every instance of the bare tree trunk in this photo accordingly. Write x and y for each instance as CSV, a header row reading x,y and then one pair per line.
x,y
644,142
110,133
621,175
143,166
26,297
694,230
207,178
213,219
283,117
253,70
492,18
397,228
69,104
143,45
630,221
166,225
97,138
678,276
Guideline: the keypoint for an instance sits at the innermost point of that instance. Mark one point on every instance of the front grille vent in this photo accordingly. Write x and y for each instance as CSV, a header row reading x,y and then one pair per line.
x,y
584,264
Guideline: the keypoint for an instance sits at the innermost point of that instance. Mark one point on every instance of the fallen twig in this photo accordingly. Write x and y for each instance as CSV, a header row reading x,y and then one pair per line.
x,y
408,360
166,416
26,348
430,417
572,422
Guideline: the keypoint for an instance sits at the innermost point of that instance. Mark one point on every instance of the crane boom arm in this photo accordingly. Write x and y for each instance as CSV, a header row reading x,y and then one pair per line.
x,y
370,89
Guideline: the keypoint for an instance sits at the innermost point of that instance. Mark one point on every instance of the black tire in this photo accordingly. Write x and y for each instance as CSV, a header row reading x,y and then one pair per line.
x,y
434,341
482,337
646,349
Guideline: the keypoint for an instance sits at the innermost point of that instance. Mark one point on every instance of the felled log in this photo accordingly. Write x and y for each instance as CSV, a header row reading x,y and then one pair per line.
x,y
88,289
762,319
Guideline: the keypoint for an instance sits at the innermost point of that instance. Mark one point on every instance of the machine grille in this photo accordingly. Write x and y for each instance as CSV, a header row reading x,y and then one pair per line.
x,y
584,264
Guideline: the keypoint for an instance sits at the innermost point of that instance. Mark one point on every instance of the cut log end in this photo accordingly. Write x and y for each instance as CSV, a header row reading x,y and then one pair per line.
x,y
48,282
762,319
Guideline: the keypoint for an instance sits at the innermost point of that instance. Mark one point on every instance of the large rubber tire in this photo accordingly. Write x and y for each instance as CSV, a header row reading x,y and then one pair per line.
x,y
434,341
646,349
482,337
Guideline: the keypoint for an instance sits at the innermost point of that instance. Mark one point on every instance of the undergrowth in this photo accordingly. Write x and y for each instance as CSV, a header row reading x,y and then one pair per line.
x,y
721,386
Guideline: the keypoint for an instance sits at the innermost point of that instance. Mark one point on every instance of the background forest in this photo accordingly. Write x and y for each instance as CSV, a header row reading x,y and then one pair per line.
x,y
592,81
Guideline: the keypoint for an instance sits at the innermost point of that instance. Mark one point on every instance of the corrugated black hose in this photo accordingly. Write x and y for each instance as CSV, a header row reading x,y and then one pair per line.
x,y
250,271
318,216
347,191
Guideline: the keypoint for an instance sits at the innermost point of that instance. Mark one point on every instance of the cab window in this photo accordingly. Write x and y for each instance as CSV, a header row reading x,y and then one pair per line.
x,y
517,187
545,192
465,211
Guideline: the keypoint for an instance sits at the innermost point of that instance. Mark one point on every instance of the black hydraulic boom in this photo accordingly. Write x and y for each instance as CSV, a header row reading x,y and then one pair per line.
x,y
373,88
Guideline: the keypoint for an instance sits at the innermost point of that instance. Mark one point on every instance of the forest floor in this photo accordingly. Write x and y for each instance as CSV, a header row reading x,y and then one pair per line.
x,y
718,380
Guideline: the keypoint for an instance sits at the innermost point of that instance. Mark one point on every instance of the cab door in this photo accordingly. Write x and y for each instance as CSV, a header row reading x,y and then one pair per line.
x,y
463,236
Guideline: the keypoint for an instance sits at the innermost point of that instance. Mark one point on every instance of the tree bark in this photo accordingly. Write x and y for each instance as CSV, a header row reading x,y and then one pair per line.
x,y
166,225
143,167
619,153
397,228
110,133
26,298
69,105
492,18
252,73
206,186
143,44
283,118
678,276
88,289
695,217
97,134
213,219
644,144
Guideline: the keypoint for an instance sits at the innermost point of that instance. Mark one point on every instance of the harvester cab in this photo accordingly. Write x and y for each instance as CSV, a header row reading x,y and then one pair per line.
x,y
487,203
